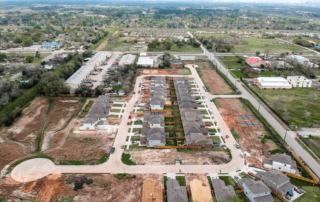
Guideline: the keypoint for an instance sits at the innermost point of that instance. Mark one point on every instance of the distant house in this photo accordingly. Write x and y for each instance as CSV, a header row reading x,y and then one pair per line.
x,y
256,191
281,162
48,67
299,81
272,83
121,92
151,137
175,192
221,191
156,104
255,62
298,58
277,182
51,45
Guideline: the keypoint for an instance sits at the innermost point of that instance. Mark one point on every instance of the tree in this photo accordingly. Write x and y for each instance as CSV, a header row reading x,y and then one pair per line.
x,y
258,53
29,59
87,53
277,105
52,85
286,115
307,114
126,89
37,55
2,56
266,50
311,97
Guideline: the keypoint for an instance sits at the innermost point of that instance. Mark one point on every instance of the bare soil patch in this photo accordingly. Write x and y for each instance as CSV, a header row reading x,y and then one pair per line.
x,y
248,140
63,110
10,151
25,129
82,147
105,187
170,156
201,177
215,82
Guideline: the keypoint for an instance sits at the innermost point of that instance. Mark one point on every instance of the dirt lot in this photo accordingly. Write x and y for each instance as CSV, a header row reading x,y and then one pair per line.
x,y
10,151
201,177
86,146
105,187
62,111
170,156
248,140
215,82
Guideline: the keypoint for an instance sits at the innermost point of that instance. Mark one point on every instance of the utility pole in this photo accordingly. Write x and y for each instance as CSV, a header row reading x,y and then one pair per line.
x,y
284,139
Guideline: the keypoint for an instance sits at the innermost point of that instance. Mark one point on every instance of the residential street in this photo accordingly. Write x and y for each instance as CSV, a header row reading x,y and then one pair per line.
x,y
37,168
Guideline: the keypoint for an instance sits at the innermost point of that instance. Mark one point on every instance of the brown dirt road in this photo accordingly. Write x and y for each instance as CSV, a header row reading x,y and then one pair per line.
x,y
103,45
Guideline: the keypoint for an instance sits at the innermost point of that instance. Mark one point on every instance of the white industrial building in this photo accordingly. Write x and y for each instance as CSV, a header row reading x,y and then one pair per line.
x,y
127,60
272,83
99,58
75,80
184,58
146,61
299,81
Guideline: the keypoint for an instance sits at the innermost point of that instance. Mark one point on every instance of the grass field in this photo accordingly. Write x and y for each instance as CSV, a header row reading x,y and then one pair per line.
x,y
181,180
110,30
238,74
214,139
231,62
295,101
259,45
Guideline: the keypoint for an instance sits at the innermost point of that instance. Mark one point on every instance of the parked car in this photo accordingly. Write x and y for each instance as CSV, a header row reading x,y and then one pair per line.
x,y
135,142
227,136
208,125
251,174
212,133
236,178
122,146
129,116
134,92
139,91
237,145
216,144
241,155
112,150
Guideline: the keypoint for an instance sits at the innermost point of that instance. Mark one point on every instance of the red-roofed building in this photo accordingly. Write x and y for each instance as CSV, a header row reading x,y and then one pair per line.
x,y
255,62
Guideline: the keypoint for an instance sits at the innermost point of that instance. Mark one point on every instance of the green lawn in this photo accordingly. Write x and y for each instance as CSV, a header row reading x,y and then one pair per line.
x,y
126,159
312,191
136,130
235,135
135,138
138,123
238,74
244,175
181,180
231,62
204,112
212,130
229,181
295,101
180,134
171,142
171,126
117,105
214,138
115,110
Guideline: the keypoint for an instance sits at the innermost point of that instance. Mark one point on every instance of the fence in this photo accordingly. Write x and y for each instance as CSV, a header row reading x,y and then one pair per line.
x,y
173,122
280,197
169,130
175,138
265,103
176,147
161,110
171,116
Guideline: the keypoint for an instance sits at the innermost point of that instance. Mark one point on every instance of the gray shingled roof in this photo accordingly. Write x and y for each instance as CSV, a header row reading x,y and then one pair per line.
x,y
256,187
286,159
175,192
274,176
221,190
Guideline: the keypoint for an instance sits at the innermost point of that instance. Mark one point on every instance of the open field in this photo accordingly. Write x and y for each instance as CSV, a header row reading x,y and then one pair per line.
x,y
170,156
211,79
57,187
102,43
274,45
314,144
174,48
249,138
296,102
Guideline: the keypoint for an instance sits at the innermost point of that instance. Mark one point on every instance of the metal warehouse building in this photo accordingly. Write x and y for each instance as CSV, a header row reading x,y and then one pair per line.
x,y
99,58
79,76
127,60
